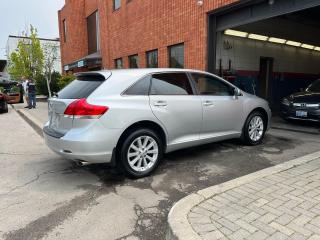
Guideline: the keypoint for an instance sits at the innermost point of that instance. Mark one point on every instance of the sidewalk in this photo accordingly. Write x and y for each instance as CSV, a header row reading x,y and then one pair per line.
x,y
281,202
35,117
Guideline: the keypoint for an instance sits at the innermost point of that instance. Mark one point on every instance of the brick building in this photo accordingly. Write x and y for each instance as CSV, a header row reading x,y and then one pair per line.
x,y
137,27
260,53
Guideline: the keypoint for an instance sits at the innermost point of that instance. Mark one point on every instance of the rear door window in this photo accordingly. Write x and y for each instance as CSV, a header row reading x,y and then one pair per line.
x,y
170,84
81,87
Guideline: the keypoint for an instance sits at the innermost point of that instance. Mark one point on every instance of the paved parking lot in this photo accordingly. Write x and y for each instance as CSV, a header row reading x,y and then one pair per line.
x,y
44,197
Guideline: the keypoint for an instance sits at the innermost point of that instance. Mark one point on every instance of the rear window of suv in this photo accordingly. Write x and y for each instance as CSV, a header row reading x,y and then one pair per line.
x,y
81,87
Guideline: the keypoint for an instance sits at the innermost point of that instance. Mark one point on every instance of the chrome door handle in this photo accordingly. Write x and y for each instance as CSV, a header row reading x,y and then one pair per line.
x,y
208,103
160,103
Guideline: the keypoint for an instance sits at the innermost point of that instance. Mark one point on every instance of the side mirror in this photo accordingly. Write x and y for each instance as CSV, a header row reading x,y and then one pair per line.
x,y
237,92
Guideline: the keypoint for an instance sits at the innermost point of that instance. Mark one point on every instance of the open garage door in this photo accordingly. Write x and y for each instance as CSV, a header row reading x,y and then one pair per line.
x,y
267,48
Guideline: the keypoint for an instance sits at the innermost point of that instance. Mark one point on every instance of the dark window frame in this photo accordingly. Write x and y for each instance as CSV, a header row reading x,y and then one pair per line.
x,y
95,45
114,5
115,63
147,59
64,26
131,57
193,89
169,54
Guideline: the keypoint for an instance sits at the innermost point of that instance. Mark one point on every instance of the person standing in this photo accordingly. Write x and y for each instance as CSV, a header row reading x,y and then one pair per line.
x,y
25,92
31,88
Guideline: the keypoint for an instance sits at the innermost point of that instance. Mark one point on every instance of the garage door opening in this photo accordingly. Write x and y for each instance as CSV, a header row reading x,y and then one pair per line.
x,y
272,57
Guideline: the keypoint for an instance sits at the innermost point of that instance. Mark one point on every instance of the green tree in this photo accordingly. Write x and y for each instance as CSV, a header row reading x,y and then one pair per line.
x,y
28,59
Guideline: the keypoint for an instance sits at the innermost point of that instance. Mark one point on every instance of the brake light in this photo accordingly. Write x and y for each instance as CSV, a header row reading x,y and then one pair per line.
x,y
80,108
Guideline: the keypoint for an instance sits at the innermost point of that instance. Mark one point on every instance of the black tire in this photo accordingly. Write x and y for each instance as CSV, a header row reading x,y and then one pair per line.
x,y
123,161
245,131
6,108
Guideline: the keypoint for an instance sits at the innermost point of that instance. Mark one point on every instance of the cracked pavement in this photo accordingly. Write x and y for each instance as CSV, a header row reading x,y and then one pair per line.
x,y
43,196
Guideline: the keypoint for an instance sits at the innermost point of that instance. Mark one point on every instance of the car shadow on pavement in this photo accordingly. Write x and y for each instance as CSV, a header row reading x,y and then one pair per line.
x,y
227,154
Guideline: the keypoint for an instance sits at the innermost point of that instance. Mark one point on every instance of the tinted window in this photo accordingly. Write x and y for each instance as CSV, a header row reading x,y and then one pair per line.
x,y
170,84
152,59
134,61
82,87
140,88
176,56
314,87
208,85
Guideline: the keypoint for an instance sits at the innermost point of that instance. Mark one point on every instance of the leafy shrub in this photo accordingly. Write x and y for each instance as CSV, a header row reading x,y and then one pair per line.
x,y
41,84
64,80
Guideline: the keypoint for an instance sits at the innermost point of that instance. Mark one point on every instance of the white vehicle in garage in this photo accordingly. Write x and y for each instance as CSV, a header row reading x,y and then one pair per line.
x,y
132,117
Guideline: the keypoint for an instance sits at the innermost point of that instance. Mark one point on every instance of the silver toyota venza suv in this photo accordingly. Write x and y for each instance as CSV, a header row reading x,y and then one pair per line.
x,y
130,118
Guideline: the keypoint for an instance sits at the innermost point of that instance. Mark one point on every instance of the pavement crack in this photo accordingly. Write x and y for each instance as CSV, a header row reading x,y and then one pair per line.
x,y
36,179
42,226
10,205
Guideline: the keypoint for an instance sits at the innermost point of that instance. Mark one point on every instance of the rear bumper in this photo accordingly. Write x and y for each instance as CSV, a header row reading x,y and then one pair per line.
x,y
290,113
90,146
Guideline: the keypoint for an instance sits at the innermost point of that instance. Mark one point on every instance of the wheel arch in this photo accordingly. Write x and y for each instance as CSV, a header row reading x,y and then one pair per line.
x,y
143,124
263,112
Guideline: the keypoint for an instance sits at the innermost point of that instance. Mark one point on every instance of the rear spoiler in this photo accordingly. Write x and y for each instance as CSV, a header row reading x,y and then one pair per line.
x,y
101,75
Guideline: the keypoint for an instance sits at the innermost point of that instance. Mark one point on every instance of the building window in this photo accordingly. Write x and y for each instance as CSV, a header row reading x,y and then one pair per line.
x,y
116,4
134,61
64,25
176,56
118,63
93,33
152,59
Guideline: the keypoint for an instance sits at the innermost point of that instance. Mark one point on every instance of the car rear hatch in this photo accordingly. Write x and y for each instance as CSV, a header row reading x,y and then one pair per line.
x,y
61,108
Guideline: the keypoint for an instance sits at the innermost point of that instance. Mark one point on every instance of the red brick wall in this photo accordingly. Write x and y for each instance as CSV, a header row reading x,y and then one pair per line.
x,y
137,27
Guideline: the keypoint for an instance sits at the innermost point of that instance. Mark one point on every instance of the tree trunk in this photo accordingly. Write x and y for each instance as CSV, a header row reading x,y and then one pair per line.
x,y
48,78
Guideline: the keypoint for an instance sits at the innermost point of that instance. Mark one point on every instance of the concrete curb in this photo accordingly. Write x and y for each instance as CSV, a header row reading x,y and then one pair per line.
x,y
178,224
32,121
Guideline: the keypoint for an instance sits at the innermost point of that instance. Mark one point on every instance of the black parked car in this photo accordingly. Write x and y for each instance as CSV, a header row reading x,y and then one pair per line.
x,y
303,105
3,103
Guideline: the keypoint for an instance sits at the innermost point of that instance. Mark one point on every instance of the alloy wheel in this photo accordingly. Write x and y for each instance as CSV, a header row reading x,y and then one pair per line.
x,y
143,153
256,128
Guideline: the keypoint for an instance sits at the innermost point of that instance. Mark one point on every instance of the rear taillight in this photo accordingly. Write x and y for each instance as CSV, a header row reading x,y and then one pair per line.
x,y
81,109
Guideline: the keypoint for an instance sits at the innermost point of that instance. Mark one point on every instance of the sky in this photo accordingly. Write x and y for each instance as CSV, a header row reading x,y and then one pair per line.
x,y
15,15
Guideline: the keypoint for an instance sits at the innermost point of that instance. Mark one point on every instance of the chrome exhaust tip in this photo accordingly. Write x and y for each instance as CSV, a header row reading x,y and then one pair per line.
x,y
81,163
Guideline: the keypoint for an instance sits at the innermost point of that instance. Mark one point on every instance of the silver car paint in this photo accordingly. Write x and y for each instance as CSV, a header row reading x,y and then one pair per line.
x,y
186,120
